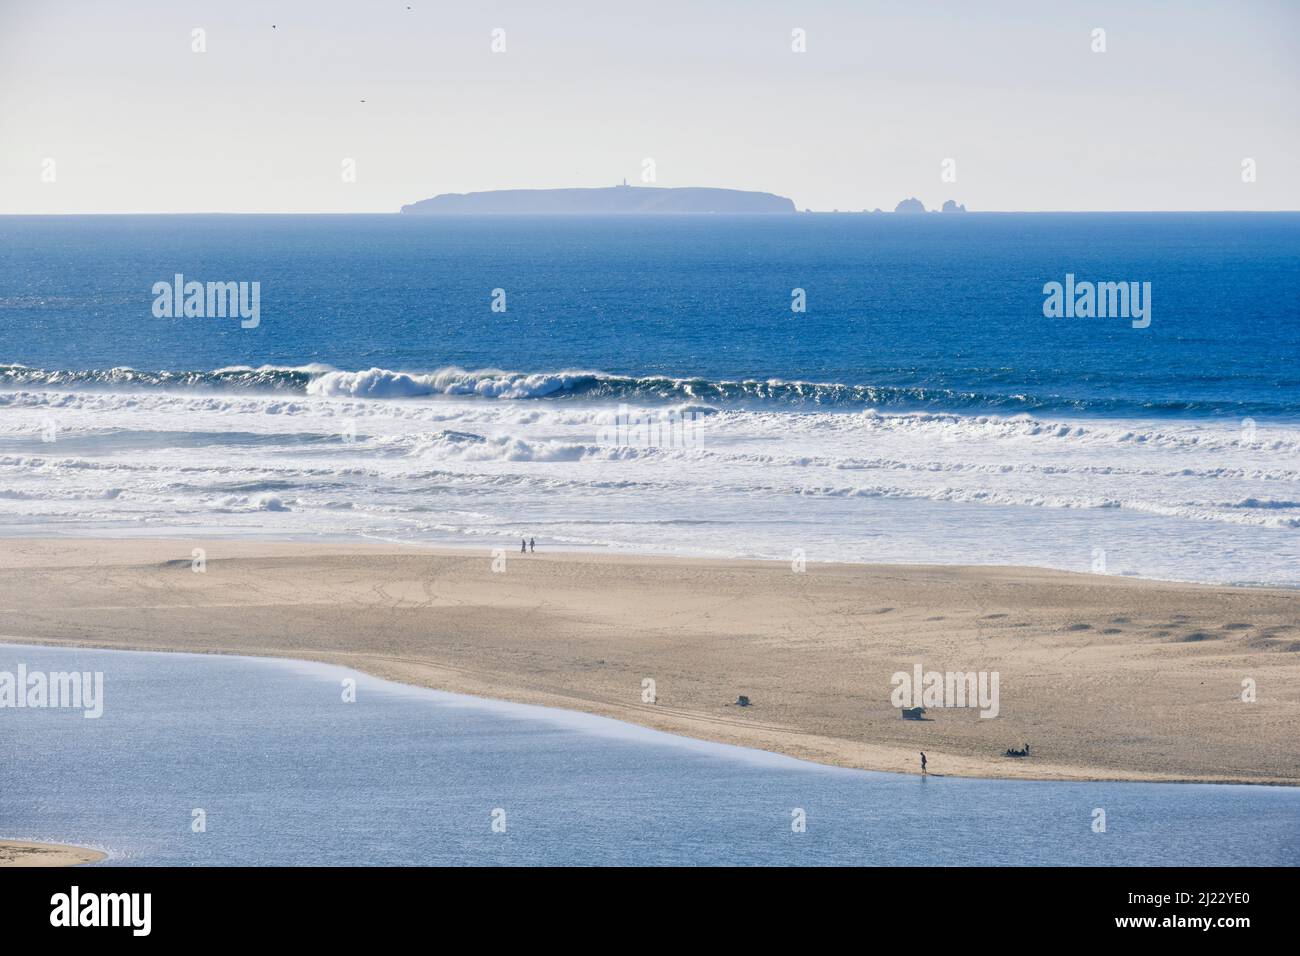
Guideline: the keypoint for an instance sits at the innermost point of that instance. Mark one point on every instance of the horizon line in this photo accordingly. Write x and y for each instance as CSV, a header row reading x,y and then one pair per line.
x,y
662,215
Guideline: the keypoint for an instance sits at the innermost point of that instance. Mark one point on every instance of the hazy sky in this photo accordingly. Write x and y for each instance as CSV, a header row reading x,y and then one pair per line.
x,y
135,121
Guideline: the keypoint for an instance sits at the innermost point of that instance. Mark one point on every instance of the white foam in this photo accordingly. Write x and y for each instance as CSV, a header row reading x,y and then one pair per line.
x,y
1163,499
485,383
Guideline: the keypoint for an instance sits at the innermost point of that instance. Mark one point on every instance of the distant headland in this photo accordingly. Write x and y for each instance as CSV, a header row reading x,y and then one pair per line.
x,y
612,200
626,200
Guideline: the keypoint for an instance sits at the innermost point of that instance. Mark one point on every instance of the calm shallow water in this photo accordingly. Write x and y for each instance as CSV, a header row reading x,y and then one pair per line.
x,y
289,774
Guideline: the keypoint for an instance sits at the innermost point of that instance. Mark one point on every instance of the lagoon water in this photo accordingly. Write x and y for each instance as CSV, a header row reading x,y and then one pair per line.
x,y
290,774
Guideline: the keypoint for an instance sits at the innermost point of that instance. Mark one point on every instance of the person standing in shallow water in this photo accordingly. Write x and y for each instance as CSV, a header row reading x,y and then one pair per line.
x,y
922,764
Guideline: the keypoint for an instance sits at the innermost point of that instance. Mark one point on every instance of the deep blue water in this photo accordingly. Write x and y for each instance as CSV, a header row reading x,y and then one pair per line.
x,y
932,311
287,773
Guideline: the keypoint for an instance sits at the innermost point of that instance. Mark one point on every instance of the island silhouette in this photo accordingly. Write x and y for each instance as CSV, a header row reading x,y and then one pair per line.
x,y
611,200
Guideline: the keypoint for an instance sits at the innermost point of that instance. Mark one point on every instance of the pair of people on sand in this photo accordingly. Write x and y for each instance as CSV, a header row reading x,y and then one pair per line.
x,y
527,545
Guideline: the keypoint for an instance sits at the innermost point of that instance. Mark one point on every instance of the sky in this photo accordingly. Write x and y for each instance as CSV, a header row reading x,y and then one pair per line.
x,y
106,106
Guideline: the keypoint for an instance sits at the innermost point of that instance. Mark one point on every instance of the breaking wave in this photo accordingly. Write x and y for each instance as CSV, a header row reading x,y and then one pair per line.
x,y
323,381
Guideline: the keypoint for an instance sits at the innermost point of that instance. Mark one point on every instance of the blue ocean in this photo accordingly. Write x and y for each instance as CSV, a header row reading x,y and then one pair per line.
x,y
850,387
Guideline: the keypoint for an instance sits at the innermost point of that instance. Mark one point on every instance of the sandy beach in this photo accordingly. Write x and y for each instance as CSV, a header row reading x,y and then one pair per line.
x,y
1105,677
14,853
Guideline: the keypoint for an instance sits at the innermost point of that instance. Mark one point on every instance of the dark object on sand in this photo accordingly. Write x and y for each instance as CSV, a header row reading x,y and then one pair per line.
x,y
742,701
1018,753
913,713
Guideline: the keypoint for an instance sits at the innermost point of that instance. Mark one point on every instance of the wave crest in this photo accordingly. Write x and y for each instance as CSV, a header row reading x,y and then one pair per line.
x,y
323,381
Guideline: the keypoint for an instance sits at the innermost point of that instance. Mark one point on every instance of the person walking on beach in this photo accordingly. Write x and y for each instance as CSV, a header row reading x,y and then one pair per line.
x,y
922,764
523,546
532,545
